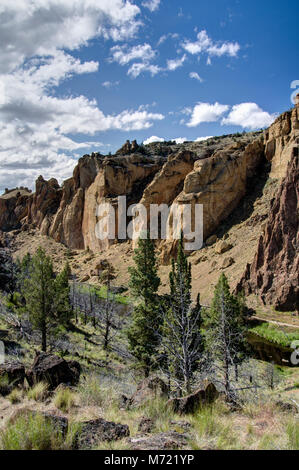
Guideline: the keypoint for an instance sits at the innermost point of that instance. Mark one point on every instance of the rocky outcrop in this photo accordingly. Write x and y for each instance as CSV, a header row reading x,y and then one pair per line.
x,y
191,403
118,176
53,370
148,389
274,273
12,375
93,432
214,173
13,208
128,148
218,183
280,139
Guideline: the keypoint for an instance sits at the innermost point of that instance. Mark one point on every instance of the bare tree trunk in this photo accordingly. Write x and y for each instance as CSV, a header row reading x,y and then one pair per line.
x,y
44,336
236,372
226,356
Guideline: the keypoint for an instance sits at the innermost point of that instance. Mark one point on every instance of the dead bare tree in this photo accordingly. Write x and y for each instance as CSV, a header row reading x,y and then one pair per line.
x,y
225,336
181,332
109,320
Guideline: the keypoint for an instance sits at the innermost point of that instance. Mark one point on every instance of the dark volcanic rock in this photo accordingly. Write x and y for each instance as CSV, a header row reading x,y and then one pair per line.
x,y
15,374
274,273
53,370
93,432
192,402
146,425
287,407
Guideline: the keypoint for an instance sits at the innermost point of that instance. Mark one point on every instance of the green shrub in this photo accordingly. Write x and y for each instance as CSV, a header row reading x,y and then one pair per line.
x,y
91,394
15,396
274,335
30,432
156,408
293,434
38,392
64,399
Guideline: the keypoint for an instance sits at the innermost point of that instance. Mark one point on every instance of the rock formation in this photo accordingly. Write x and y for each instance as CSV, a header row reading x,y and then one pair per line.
x,y
274,273
280,139
213,173
53,370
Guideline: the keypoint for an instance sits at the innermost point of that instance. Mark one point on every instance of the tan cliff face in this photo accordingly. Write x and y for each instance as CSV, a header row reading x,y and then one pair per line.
x,y
280,139
214,173
274,272
210,173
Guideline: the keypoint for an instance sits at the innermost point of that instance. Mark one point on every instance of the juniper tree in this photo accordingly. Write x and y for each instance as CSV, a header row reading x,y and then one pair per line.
x,y
144,280
225,332
39,293
146,317
182,338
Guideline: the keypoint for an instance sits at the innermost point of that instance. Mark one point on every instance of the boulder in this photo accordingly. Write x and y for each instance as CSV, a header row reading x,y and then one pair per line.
x,y
191,403
287,407
222,247
149,388
15,373
227,262
53,370
146,425
76,370
211,240
59,423
91,433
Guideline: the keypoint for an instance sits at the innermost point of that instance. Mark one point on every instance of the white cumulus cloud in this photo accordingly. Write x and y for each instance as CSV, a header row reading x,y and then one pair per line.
x,y
248,115
204,44
39,128
136,69
174,64
152,139
41,27
152,5
180,140
206,112
123,55
201,139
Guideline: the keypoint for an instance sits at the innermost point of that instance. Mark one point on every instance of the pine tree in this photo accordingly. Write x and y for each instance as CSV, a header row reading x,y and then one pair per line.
x,y
182,339
144,281
39,293
146,318
63,309
225,334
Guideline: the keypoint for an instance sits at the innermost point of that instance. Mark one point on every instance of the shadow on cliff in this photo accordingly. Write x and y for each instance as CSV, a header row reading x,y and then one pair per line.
x,y
254,190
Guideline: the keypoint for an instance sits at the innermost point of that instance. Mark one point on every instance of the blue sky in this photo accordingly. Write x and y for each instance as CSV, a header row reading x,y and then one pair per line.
x,y
78,76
